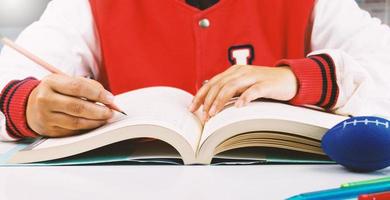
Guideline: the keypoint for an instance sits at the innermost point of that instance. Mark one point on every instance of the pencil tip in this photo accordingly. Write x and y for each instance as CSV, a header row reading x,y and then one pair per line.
x,y
123,113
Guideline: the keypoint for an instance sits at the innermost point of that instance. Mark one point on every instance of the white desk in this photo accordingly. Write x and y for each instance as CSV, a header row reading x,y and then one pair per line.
x,y
172,182
266,182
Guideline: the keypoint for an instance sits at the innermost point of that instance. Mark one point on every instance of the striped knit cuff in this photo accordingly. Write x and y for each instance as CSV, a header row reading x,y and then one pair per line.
x,y
317,83
13,103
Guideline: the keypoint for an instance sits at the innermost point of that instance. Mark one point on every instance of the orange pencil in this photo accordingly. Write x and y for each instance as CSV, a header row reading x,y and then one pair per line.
x,y
42,63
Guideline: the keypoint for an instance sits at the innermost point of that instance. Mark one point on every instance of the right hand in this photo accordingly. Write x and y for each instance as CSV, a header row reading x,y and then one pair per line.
x,y
55,107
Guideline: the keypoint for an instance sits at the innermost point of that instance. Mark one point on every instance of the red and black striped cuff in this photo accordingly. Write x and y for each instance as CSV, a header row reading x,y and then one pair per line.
x,y
317,83
13,103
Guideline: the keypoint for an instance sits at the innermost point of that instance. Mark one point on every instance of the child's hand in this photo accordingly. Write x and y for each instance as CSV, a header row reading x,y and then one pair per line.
x,y
248,82
55,107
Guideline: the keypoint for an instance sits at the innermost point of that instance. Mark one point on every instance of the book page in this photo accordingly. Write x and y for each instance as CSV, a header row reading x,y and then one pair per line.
x,y
161,106
7,146
270,111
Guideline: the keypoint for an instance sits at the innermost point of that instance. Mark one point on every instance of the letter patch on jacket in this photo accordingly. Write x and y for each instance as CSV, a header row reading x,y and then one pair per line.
x,y
241,55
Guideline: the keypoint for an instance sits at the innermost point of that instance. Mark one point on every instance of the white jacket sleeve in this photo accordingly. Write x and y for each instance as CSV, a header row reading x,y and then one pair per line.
x,y
360,48
65,36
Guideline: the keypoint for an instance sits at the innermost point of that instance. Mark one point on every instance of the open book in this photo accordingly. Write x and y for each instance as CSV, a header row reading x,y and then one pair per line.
x,y
161,113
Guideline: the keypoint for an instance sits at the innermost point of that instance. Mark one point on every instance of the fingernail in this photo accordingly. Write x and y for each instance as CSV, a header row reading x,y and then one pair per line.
x,y
212,111
239,104
204,117
236,104
191,108
109,96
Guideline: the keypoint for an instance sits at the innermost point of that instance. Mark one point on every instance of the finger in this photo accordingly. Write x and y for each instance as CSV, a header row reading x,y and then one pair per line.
x,y
199,98
74,123
80,108
79,87
201,94
233,78
254,92
230,90
205,118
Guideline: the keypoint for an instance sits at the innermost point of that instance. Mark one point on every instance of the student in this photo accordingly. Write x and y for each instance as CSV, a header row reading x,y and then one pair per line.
x,y
324,53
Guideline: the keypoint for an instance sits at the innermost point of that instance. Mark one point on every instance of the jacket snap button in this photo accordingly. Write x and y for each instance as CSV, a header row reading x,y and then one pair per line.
x,y
204,23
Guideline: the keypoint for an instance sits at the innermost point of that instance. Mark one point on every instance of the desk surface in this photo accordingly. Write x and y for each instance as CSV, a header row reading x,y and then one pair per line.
x,y
172,182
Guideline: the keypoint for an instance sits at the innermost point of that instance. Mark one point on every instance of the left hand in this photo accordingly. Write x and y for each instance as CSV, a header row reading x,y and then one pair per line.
x,y
247,81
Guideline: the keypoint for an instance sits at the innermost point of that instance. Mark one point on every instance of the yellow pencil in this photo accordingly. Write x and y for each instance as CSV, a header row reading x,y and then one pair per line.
x,y
42,63
367,182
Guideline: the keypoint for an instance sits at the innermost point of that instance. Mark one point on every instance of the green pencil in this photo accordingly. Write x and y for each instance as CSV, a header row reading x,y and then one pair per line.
x,y
367,182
